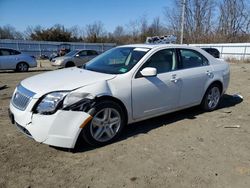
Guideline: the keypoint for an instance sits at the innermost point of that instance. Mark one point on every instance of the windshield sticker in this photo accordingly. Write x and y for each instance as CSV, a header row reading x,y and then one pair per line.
x,y
141,49
123,70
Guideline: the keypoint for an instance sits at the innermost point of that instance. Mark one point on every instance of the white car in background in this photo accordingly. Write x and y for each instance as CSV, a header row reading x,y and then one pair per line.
x,y
124,85
14,60
74,58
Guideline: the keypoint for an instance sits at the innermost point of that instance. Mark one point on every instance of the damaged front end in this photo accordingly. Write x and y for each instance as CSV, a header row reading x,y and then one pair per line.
x,y
58,117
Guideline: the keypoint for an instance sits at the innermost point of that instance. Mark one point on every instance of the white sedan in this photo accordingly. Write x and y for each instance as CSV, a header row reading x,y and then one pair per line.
x,y
124,85
14,60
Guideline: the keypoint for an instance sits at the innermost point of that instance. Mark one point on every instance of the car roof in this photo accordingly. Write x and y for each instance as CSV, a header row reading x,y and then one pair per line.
x,y
155,46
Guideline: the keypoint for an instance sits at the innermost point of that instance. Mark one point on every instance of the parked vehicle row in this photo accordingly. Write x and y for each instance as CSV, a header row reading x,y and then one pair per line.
x,y
11,59
124,85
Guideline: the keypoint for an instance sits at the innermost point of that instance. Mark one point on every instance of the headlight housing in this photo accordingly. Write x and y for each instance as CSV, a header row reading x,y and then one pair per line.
x,y
78,102
65,100
51,102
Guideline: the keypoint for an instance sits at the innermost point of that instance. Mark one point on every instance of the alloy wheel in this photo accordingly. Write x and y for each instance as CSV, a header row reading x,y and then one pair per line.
x,y
105,124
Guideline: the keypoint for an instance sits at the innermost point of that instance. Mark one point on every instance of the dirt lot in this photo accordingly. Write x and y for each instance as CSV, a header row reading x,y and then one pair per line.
x,y
185,149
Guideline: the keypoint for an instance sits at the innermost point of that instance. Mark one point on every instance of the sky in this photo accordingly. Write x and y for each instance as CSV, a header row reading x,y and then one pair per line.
x,y
24,13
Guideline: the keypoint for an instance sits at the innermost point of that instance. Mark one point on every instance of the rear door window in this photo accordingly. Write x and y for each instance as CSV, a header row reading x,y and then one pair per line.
x,y
191,58
5,52
92,52
83,53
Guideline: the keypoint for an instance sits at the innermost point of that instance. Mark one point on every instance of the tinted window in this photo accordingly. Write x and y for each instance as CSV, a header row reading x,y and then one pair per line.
x,y
163,61
117,60
82,53
5,52
191,58
213,51
92,52
14,52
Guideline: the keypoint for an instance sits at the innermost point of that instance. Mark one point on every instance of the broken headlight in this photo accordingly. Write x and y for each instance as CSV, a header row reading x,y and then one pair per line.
x,y
78,102
50,102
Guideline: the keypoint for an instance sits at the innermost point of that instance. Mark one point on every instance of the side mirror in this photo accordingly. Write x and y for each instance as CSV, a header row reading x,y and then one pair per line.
x,y
77,55
148,72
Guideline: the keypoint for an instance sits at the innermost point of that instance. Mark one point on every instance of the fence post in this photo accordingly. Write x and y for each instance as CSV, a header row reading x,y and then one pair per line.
x,y
17,45
40,50
244,55
221,51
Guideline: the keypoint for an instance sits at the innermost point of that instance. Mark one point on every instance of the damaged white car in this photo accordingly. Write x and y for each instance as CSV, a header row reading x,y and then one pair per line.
x,y
121,86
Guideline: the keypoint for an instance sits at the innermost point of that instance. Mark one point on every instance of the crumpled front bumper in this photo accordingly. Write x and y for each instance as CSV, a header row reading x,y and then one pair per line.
x,y
60,129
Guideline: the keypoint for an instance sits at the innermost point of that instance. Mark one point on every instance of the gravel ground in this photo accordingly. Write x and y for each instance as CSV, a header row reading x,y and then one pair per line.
x,y
189,148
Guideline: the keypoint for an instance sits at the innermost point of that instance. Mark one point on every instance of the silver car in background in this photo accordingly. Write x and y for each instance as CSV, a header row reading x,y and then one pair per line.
x,y
74,58
14,60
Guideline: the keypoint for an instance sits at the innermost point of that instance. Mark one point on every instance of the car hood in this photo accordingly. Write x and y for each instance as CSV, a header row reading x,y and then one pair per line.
x,y
64,79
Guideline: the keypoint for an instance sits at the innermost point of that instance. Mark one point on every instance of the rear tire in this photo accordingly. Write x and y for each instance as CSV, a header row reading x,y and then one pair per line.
x,y
211,98
22,67
107,124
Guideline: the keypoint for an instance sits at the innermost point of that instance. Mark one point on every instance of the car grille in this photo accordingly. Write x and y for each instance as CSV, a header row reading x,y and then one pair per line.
x,y
22,97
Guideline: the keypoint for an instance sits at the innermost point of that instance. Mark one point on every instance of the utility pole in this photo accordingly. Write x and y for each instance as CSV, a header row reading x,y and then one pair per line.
x,y
182,20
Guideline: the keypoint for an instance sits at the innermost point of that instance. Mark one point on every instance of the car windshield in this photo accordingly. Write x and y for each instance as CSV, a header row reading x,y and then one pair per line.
x,y
72,53
117,60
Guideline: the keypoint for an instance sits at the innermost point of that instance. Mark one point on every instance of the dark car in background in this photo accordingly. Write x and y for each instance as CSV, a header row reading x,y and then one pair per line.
x,y
213,51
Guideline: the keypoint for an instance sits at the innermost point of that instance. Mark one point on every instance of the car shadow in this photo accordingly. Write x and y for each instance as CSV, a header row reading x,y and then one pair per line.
x,y
30,71
143,127
3,87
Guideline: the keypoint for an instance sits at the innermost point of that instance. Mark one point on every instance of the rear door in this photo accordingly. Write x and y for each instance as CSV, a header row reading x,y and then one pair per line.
x,y
194,73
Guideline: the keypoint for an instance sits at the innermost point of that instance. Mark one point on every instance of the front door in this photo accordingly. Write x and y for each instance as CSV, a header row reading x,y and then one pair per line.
x,y
153,96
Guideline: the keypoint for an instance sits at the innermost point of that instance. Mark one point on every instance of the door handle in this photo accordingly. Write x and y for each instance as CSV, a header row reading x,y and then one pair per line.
x,y
174,79
210,74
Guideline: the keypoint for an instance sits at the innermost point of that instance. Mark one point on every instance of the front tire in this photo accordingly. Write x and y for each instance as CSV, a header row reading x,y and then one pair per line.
x,y
106,125
22,67
70,64
211,98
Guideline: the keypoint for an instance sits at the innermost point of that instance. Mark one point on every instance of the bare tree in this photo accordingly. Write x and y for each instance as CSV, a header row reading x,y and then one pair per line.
x,y
119,31
95,32
198,19
156,27
9,32
233,18
173,17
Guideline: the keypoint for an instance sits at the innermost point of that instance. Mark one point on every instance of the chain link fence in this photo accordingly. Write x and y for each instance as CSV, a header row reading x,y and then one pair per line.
x,y
39,48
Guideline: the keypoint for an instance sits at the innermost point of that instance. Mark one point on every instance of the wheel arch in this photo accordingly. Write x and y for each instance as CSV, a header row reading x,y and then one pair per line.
x,y
70,64
218,82
20,63
116,100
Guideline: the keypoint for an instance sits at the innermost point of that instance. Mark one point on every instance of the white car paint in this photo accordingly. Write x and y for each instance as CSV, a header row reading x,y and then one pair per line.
x,y
143,97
